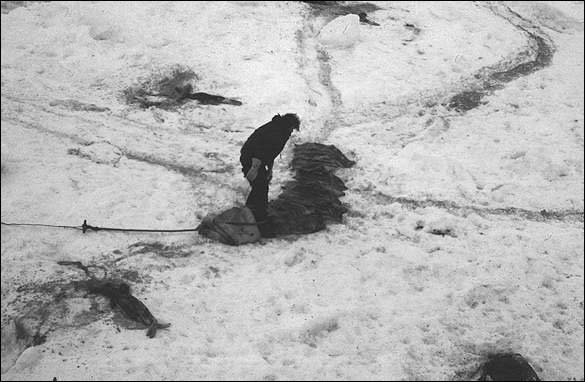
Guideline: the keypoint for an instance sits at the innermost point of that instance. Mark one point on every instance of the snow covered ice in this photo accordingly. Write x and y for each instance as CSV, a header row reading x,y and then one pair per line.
x,y
343,31
464,234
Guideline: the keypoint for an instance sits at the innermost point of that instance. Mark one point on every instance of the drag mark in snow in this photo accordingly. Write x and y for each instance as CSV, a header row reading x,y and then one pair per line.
x,y
540,47
74,105
332,91
91,130
325,78
171,166
456,209
23,109
38,127
141,157
307,46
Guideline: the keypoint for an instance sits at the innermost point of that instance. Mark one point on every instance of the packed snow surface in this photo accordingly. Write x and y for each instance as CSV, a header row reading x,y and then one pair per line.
x,y
465,228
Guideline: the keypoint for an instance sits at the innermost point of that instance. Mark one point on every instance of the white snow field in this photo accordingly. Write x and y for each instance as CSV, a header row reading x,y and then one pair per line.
x,y
465,230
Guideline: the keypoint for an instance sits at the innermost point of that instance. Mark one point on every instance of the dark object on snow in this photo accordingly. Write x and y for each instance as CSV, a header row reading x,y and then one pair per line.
x,y
442,232
332,9
467,100
119,294
186,92
235,226
470,99
364,19
171,99
507,367
320,2
312,198
210,99
264,144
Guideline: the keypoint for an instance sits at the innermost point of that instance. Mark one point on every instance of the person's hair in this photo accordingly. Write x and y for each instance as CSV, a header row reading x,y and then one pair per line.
x,y
293,119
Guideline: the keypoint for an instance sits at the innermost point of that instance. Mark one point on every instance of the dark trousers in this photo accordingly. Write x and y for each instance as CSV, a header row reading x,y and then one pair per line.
x,y
257,200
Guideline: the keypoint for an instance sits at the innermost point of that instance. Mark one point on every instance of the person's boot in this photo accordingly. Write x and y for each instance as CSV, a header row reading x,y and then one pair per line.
x,y
266,228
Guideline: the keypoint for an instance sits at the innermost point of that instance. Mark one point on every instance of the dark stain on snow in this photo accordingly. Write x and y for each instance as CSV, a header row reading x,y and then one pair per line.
x,y
544,54
467,100
333,9
171,89
456,209
160,249
472,98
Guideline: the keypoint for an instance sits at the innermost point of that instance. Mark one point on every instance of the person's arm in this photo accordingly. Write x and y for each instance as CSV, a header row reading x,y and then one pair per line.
x,y
253,171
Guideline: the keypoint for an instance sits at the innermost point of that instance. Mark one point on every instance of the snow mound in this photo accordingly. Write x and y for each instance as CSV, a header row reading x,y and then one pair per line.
x,y
342,32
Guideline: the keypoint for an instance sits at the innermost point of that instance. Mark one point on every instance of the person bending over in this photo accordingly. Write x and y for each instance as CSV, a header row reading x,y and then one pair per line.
x,y
257,159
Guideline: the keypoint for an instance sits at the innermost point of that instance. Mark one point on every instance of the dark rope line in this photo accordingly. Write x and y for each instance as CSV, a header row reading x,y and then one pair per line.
x,y
43,225
84,227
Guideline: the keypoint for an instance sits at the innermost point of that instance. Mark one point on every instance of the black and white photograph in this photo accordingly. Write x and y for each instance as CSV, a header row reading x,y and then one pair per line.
x,y
292,190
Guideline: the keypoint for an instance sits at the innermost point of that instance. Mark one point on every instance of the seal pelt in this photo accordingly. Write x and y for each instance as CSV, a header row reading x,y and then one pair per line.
x,y
119,294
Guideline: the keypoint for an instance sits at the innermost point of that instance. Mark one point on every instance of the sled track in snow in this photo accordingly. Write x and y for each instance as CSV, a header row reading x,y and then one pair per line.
x,y
88,132
332,91
540,48
456,209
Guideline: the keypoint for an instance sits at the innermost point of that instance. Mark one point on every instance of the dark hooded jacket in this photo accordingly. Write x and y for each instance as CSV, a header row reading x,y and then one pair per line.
x,y
266,142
